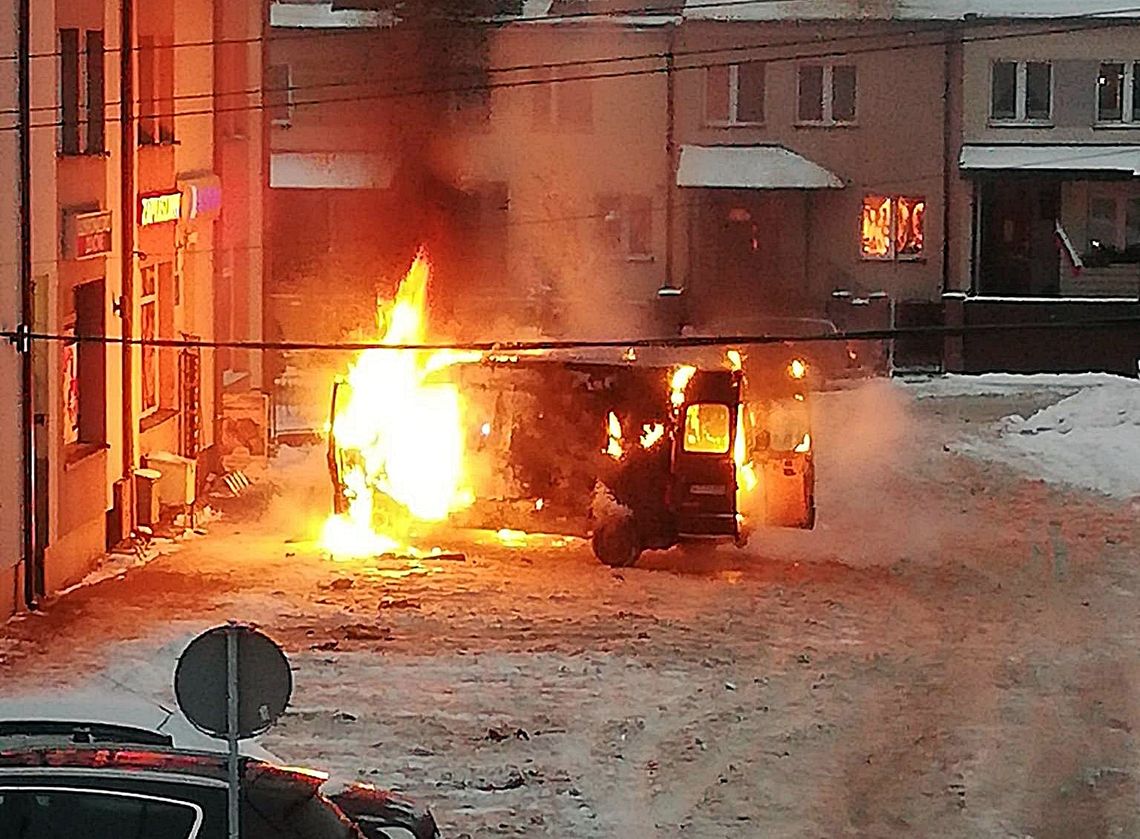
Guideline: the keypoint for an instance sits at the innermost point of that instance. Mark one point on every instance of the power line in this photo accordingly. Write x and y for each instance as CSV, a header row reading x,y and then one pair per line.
x,y
514,347
653,56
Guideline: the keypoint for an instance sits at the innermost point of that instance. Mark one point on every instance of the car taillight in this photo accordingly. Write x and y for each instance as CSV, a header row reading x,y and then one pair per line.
x,y
106,758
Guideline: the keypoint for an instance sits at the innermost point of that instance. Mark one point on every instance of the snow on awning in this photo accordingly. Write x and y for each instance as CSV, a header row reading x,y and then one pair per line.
x,y
1058,158
751,167
330,170
325,16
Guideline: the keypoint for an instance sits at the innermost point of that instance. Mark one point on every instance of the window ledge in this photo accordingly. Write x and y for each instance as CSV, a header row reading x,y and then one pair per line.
x,y
640,257
728,124
819,124
82,155
160,144
1119,125
76,453
1020,123
157,418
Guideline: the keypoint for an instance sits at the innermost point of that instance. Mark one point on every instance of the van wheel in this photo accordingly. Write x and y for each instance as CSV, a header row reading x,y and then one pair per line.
x,y
616,544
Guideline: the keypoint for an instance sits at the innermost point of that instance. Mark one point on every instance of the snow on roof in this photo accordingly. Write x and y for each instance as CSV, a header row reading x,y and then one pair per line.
x,y
761,10
751,167
543,11
324,16
1106,158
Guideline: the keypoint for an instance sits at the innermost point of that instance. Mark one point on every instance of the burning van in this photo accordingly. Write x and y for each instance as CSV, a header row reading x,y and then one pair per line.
x,y
640,450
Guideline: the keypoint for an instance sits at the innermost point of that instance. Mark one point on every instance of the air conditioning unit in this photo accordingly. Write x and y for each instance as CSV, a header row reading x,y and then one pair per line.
x,y
179,482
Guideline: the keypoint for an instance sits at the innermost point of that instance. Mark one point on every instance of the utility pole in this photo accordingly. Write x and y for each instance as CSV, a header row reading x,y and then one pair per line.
x,y
128,204
33,575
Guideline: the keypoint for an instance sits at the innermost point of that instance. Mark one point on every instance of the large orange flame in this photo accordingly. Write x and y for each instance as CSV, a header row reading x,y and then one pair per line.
x,y
401,431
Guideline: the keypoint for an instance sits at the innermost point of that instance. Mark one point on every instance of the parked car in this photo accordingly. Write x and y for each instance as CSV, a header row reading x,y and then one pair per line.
x,y
117,769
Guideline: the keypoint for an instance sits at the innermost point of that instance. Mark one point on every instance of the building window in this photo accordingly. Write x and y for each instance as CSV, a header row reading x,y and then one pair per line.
x,y
156,91
1022,91
827,94
734,94
69,90
84,370
69,366
562,105
627,225
148,322
81,95
1118,92
574,105
156,321
279,94
1114,227
893,227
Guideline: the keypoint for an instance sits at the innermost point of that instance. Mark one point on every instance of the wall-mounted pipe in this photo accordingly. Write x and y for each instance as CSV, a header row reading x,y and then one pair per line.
x,y
127,243
33,575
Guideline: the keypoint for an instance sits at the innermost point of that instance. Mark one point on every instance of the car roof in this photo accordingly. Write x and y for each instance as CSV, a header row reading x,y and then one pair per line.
x,y
118,713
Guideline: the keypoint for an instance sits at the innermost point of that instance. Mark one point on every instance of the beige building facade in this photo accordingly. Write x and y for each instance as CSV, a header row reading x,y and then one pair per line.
x,y
102,410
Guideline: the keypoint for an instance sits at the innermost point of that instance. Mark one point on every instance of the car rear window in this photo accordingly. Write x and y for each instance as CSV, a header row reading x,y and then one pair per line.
x,y
54,812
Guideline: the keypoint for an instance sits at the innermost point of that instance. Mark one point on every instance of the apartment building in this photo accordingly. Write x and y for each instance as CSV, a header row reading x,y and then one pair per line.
x,y
124,240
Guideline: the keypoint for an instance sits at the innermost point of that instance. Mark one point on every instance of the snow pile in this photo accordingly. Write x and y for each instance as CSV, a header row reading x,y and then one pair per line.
x,y
904,9
1090,439
1005,384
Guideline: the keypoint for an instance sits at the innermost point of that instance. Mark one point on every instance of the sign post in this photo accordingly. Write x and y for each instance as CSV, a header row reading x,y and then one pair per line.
x,y
232,780
233,682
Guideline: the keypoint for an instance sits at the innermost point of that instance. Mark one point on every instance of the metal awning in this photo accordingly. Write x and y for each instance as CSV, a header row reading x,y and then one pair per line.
x,y
751,167
1120,159
330,170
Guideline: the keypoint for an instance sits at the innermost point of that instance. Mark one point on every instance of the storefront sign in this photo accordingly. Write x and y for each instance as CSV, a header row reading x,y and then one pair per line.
x,y
205,199
87,234
201,195
158,209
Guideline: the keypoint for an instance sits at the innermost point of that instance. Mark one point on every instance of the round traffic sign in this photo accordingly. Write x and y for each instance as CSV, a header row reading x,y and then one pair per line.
x,y
262,678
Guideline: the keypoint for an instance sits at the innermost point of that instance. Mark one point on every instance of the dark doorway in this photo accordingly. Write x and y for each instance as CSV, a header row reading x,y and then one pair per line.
x,y
1019,255
749,253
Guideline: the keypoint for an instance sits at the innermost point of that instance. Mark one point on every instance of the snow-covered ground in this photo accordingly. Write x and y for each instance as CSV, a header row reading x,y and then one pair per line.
x,y
953,651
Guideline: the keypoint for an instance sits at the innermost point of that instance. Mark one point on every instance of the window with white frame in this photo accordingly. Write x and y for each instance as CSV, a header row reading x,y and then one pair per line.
x,y
734,94
893,227
1118,93
1021,92
627,225
81,94
827,94
158,297
1114,226
148,329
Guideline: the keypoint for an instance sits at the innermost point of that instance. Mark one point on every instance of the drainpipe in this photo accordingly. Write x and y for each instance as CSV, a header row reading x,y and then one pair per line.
x,y
670,154
949,159
127,242
32,574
